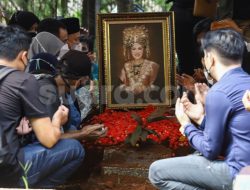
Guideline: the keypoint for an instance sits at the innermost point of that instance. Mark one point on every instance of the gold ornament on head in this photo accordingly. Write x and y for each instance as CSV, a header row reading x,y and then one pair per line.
x,y
135,34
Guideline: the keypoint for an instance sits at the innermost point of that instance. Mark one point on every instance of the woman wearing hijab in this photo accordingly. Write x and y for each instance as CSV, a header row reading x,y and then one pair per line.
x,y
54,78
45,42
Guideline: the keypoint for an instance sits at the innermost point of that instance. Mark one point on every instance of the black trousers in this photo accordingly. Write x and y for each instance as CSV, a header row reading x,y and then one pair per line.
x,y
185,43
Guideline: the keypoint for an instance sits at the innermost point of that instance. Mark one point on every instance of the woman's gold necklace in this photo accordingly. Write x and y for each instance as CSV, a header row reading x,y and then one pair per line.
x,y
137,69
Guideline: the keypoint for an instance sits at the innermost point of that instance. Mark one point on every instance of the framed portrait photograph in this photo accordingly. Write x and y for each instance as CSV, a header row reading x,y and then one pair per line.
x,y
136,54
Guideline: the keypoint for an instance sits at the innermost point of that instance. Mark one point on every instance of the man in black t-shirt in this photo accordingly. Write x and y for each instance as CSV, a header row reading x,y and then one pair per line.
x,y
52,160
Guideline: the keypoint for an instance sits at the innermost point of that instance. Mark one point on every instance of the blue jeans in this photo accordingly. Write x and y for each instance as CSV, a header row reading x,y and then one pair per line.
x,y
51,167
190,172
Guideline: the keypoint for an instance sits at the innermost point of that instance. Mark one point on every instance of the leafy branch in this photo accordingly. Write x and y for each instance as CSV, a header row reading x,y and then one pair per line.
x,y
142,131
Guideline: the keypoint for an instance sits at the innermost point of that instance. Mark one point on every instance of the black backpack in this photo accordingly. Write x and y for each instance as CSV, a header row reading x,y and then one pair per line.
x,y
10,169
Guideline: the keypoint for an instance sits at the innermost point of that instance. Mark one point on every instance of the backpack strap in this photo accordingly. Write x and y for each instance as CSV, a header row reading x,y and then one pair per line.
x,y
5,71
9,166
4,146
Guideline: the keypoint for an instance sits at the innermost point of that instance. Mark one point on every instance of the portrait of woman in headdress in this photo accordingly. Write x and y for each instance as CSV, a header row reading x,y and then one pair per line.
x,y
138,73
137,60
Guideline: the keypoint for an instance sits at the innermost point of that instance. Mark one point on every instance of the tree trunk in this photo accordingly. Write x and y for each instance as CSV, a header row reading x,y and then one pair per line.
x,y
52,9
124,5
64,7
84,15
54,13
88,16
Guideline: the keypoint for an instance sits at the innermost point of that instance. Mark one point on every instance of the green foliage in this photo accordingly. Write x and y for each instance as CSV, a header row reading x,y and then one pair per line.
x,y
107,6
165,6
134,138
153,5
52,8
42,8
139,136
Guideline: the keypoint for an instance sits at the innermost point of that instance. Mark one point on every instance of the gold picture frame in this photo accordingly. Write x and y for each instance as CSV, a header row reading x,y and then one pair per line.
x,y
136,54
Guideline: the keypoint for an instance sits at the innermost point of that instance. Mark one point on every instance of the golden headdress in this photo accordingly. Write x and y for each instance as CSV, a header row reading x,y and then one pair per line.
x,y
135,34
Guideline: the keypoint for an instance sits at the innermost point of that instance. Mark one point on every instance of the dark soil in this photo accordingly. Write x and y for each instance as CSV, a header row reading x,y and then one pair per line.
x,y
117,168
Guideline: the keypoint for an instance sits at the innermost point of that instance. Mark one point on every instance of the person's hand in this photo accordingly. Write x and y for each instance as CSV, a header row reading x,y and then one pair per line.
x,y
92,56
201,90
24,128
95,131
77,83
84,80
181,115
199,75
246,100
61,114
194,111
92,87
186,81
65,114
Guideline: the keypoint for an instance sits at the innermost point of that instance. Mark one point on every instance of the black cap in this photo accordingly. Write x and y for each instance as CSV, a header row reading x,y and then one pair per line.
x,y
43,63
74,65
202,26
25,19
50,25
72,24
